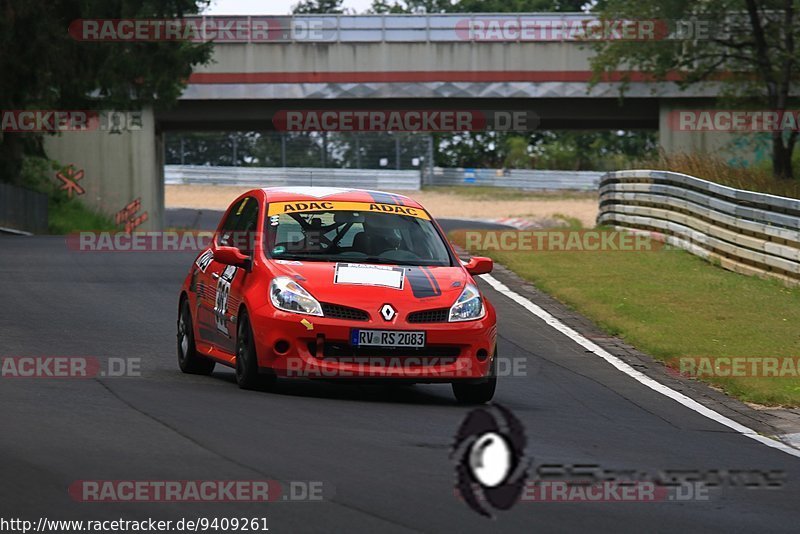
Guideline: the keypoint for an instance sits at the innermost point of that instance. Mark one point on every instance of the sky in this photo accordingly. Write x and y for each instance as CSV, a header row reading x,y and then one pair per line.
x,y
269,7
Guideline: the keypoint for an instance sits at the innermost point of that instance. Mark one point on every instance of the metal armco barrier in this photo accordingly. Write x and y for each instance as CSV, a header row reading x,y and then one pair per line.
x,y
747,232
441,27
520,179
292,177
22,210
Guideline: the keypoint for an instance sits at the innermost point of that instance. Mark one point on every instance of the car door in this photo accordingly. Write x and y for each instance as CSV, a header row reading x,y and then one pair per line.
x,y
230,280
204,289
208,285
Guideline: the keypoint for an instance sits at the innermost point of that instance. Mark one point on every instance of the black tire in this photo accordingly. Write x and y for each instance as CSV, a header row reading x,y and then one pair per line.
x,y
189,360
477,392
247,375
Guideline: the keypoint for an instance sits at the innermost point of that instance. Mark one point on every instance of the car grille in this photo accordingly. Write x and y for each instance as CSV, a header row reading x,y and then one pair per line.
x,y
441,315
335,311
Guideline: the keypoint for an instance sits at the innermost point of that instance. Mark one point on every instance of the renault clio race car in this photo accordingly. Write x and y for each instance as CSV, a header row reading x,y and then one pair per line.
x,y
336,283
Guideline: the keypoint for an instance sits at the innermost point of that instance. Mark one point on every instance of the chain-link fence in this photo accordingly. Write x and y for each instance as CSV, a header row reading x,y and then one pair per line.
x,y
378,150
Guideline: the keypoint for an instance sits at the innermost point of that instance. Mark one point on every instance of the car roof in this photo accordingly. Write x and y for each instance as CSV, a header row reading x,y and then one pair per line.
x,y
311,193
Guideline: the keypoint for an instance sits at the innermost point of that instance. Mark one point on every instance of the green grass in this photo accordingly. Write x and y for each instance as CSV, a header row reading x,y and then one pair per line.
x,y
670,304
65,215
482,192
68,216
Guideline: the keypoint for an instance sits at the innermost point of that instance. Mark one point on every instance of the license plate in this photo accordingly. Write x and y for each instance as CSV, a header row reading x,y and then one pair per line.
x,y
387,338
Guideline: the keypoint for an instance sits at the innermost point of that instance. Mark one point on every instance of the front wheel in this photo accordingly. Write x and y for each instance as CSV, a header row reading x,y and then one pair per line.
x,y
189,360
477,392
247,375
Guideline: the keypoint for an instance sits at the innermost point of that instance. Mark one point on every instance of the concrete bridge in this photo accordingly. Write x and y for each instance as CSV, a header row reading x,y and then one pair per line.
x,y
378,62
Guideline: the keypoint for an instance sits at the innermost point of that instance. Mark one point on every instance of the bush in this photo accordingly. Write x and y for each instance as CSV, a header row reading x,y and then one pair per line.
x,y
65,215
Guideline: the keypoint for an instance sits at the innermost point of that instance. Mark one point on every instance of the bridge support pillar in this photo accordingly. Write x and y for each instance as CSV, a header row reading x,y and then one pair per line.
x,y
741,149
122,169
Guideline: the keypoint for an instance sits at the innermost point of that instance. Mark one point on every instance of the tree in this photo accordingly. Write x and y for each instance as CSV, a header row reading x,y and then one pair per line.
x,y
210,148
750,48
591,150
411,6
521,6
476,6
45,68
310,7
518,153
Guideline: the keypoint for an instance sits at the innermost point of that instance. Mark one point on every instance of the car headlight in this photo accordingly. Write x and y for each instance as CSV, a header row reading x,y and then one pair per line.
x,y
468,307
288,295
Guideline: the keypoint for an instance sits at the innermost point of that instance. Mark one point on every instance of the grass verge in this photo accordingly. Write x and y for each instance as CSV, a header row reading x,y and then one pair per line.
x,y
64,215
670,304
67,216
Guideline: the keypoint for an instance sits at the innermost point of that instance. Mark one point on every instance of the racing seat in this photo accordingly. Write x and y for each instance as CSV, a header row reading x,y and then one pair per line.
x,y
371,245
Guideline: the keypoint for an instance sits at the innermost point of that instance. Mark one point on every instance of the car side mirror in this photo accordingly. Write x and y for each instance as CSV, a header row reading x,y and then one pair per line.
x,y
479,265
231,256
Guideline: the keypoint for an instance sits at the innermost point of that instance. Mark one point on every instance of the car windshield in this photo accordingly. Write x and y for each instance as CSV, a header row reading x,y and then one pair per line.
x,y
361,236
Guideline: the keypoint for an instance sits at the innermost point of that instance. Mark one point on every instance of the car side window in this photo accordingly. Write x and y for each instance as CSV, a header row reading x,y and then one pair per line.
x,y
246,226
238,229
229,225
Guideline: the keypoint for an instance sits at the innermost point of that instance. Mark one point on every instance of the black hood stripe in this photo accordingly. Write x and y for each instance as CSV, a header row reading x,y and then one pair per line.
x,y
429,273
423,284
385,198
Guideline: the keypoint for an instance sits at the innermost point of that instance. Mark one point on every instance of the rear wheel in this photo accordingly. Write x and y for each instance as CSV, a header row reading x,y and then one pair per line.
x,y
247,375
188,358
477,392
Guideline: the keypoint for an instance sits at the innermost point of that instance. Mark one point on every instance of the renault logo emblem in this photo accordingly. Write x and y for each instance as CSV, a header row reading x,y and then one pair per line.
x,y
388,312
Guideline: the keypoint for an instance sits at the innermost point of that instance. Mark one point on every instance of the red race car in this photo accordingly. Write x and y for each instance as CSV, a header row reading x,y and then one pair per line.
x,y
337,283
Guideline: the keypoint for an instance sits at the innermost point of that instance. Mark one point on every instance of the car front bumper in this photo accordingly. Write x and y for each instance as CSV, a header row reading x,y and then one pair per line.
x,y
295,345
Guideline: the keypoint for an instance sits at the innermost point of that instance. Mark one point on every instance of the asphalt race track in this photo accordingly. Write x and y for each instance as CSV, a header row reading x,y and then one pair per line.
x,y
382,453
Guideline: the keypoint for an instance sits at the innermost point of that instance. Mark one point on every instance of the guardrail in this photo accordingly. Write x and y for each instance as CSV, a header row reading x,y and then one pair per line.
x,y
520,179
22,210
292,177
441,27
747,232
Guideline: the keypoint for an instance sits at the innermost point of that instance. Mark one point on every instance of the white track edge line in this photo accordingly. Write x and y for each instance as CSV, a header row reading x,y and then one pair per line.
x,y
633,373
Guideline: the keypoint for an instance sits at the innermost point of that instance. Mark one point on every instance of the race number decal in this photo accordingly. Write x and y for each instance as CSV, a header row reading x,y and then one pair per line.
x,y
204,260
223,290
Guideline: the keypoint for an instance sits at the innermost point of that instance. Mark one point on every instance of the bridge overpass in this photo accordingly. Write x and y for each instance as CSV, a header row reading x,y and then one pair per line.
x,y
415,61
378,62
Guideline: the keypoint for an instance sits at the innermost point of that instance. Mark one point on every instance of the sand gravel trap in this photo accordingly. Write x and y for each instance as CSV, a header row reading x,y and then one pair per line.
x,y
442,205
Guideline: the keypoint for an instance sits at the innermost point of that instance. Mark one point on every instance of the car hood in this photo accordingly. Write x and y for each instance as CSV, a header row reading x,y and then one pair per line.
x,y
365,286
